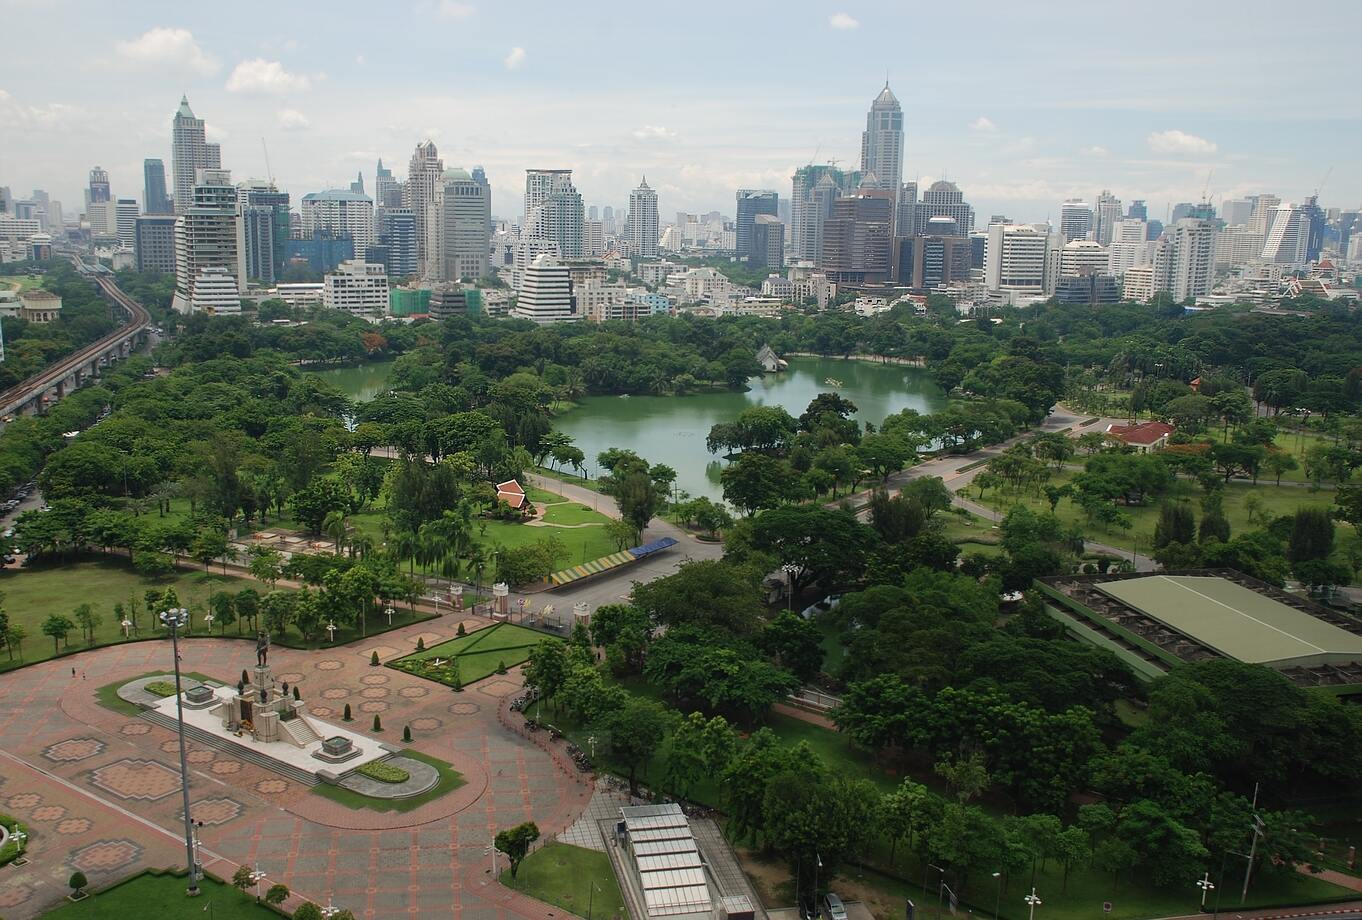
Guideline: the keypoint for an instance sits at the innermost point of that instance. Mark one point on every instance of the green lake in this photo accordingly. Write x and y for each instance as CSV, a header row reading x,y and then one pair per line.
x,y
672,429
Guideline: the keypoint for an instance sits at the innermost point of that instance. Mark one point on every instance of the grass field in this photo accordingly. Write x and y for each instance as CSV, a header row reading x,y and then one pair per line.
x,y
10,851
108,697
479,654
971,533
33,594
569,477
563,875
571,513
161,895
22,282
450,779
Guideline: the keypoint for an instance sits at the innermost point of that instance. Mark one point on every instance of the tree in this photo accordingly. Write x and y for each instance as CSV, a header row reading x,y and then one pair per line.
x,y
633,732
223,605
515,842
1279,462
755,481
638,500
547,668
903,812
88,621
1312,534
276,895
309,911
77,883
242,878
794,643
266,564
709,592
209,543
56,627
247,602
824,546
1214,524
966,776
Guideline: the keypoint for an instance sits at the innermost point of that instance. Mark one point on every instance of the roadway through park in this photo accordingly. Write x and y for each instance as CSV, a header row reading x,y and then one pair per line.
x,y
99,790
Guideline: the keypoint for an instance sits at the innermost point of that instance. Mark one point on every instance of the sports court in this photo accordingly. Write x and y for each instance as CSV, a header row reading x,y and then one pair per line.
x,y
1236,621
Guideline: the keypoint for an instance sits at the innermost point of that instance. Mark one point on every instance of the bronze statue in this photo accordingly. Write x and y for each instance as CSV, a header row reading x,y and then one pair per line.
x,y
262,649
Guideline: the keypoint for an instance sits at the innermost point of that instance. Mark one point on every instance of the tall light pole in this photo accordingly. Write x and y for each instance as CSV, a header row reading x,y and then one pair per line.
x,y
1205,884
591,900
998,894
1033,902
174,620
789,569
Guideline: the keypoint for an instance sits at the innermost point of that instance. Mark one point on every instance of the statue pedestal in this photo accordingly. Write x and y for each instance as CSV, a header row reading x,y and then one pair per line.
x,y
267,726
263,678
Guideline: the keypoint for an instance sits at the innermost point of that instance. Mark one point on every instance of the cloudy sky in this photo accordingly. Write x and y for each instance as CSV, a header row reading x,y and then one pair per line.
x,y
1022,104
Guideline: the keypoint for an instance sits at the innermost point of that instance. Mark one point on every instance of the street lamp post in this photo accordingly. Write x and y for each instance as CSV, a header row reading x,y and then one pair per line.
x,y
331,632
256,878
174,620
329,910
942,878
18,836
1206,885
492,849
1033,902
998,894
789,570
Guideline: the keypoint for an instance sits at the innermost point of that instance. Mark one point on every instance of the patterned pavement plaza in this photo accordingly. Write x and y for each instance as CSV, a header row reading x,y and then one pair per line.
x,y
100,790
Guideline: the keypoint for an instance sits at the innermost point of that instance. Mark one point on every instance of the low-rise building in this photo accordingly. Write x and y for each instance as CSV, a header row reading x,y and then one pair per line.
x,y
39,306
358,287
1144,436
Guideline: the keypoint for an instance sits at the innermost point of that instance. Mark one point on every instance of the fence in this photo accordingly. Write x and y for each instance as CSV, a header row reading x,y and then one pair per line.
x,y
810,698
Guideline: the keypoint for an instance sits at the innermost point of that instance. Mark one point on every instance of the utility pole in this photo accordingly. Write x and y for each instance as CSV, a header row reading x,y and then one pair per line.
x,y
1257,827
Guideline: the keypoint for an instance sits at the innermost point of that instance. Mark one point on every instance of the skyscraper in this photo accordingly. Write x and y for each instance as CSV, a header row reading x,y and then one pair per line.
x,y
768,242
1288,236
1108,213
553,211
1075,219
154,197
99,209
263,230
190,152
1016,259
813,188
751,202
418,194
480,177
98,190
462,211
545,294
207,259
125,222
943,199
1137,210
882,141
856,239
642,227
1193,258
387,190
343,212
396,231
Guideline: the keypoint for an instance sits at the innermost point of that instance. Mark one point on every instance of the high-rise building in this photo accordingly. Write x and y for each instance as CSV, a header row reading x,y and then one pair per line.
x,y
1108,212
397,235
125,222
1130,246
190,152
932,261
98,189
154,243
154,197
99,209
1236,211
1138,211
553,211
882,142
206,252
356,287
1288,236
480,177
943,199
813,189
1192,268
856,239
768,242
343,212
461,213
1315,227
642,224
418,194
545,294
1075,219
387,190
593,239
1016,259
750,203
1075,259
264,230
358,185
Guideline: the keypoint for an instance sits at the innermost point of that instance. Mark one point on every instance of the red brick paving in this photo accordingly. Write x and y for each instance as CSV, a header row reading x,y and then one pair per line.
x,y
108,808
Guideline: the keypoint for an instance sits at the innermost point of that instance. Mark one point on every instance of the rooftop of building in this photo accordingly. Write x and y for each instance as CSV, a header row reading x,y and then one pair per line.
x,y
1141,433
337,194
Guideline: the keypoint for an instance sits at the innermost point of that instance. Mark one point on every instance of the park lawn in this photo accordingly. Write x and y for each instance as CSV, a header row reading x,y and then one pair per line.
x,y
161,895
450,779
568,477
33,594
10,851
480,654
1274,500
22,282
563,875
107,695
571,513
1295,443
543,496
580,544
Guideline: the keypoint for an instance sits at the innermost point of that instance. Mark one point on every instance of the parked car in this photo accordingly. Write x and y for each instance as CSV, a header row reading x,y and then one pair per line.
x,y
833,908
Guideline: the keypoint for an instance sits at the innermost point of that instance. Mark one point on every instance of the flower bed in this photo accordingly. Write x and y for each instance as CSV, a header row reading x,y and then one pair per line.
x,y
383,772
160,688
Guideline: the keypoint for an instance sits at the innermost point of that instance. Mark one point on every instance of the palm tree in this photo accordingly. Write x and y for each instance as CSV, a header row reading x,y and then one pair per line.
x,y
362,545
574,384
405,547
335,527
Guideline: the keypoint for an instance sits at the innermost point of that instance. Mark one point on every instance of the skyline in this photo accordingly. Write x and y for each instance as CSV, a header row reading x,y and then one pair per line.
x,y
1033,111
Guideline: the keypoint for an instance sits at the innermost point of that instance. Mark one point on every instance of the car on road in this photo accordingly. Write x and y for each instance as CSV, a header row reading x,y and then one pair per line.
x,y
833,908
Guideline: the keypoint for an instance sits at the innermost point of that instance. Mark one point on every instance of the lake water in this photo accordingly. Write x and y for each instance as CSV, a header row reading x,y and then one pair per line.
x,y
672,429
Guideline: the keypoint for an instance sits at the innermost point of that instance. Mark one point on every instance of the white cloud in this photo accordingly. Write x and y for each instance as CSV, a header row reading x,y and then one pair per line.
x,y
1174,141
843,21
269,77
359,59
453,9
983,123
652,131
162,48
292,120
1093,151
13,112
515,58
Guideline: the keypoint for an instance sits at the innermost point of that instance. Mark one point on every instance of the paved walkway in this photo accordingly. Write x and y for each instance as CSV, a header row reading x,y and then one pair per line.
x,y
100,789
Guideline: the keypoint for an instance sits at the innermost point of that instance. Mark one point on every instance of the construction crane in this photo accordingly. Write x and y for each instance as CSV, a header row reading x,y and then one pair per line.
x,y
268,172
1207,187
1323,182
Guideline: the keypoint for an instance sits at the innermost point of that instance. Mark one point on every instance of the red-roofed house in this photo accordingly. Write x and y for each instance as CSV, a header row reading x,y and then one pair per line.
x,y
512,494
1144,437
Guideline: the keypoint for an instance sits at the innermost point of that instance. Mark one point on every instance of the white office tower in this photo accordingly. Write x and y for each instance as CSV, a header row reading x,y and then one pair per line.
x,y
460,216
125,222
341,212
190,152
102,218
1108,213
1075,219
642,224
1192,266
943,199
553,211
545,294
1137,284
1015,260
356,287
206,247
1129,245
1260,216
1082,257
1236,211
1287,236
418,193
882,141
593,239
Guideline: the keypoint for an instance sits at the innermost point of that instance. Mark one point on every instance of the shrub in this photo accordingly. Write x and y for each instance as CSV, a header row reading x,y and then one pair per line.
x,y
373,659
160,687
77,883
378,723
461,631
347,717
406,734
501,666
420,644
307,911
245,678
296,695
384,772
276,895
